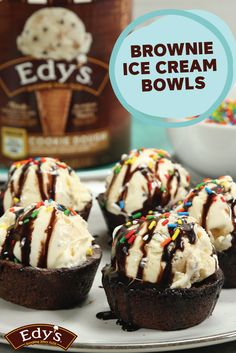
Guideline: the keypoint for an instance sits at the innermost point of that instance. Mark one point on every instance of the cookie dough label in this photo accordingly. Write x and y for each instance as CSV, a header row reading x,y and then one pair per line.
x,y
41,334
176,69
14,142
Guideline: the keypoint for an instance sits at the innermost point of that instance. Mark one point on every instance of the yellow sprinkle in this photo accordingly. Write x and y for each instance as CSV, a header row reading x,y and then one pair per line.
x,y
155,157
16,200
150,212
224,184
176,233
49,208
89,252
179,221
150,165
128,224
152,225
3,226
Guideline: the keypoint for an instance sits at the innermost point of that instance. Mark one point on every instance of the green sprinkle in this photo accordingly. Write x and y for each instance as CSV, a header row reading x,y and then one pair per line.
x,y
122,240
117,170
162,189
67,212
137,215
200,185
35,214
26,221
150,217
170,172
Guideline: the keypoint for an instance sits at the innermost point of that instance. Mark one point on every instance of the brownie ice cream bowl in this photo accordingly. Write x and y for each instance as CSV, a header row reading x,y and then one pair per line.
x,y
48,259
40,179
213,204
143,180
163,274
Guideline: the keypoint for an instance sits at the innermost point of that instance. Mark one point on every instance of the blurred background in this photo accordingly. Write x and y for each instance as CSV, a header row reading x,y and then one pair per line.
x,y
153,136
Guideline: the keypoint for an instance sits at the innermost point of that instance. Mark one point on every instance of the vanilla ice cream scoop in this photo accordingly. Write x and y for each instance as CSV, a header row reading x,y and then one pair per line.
x,y
40,179
170,250
213,204
54,33
143,180
45,235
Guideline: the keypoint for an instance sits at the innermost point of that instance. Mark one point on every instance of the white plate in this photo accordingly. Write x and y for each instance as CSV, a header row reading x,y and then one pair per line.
x,y
95,335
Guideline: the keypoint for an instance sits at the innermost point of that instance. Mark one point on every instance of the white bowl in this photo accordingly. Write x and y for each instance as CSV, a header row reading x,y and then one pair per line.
x,y
207,148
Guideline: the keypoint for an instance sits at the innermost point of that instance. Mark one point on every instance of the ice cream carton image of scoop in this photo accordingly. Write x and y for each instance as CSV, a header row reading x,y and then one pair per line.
x,y
58,34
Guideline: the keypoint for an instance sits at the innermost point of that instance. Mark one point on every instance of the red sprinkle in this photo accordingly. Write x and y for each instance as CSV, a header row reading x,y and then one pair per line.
x,y
223,199
132,239
149,186
73,212
181,210
12,209
166,215
39,204
143,218
165,242
214,198
130,233
61,165
165,222
188,178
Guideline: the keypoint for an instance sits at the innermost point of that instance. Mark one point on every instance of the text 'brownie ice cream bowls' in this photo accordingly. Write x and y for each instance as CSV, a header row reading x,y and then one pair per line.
x,y
40,179
143,180
164,273
48,259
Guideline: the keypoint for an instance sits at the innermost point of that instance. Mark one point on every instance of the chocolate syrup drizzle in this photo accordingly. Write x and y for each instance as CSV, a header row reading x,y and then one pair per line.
x,y
50,187
158,197
22,232
218,189
42,262
122,250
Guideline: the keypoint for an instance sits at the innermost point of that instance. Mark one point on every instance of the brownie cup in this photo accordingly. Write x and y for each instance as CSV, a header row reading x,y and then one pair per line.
x,y
163,274
40,179
213,204
144,180
48,259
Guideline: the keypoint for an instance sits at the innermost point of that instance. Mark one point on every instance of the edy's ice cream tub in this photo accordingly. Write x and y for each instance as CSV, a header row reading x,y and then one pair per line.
x,y
55,95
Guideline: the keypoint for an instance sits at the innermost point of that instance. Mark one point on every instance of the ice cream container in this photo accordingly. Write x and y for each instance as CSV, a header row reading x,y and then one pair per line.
x,y
55,95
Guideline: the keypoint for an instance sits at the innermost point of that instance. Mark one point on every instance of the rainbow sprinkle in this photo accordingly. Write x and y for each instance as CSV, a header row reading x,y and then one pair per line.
x,y
176,233
137,215
183,213
225,114
152,225
209,191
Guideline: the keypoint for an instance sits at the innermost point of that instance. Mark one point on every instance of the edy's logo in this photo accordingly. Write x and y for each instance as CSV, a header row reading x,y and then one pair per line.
x,y
41,334
28,74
